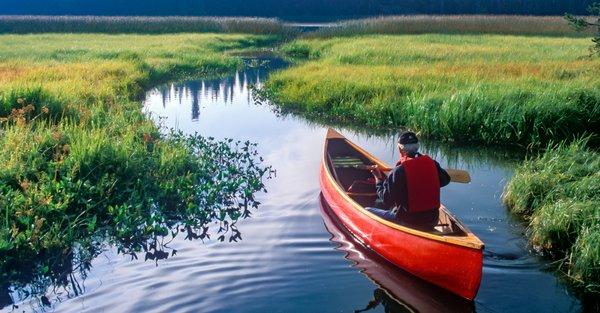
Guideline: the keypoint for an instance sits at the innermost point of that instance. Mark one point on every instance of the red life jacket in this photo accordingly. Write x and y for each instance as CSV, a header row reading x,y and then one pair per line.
x,y
422,183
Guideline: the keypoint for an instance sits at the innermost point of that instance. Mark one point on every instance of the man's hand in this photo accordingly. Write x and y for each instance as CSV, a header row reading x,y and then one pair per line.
x,y
379,176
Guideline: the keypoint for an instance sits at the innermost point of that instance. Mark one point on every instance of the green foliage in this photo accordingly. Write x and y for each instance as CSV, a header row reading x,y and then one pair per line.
x,y
82,165
559,194
487,89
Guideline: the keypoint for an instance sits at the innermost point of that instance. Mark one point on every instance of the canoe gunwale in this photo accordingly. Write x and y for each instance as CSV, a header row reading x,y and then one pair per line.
x,y
469,241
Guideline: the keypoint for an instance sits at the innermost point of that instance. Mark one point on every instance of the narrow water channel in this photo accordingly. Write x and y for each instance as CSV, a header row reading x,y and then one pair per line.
x,y
293,256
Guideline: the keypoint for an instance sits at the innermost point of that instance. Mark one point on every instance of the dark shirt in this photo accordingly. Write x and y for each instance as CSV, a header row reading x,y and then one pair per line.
x,y
393,192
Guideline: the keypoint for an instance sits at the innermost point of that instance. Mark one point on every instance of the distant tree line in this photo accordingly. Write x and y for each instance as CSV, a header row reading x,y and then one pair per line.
x,y
291,9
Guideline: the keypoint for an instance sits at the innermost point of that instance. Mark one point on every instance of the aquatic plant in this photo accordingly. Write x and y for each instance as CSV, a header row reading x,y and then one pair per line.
x,y
558,193
475,88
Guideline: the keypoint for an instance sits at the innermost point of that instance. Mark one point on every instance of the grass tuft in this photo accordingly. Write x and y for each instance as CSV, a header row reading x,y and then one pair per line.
x,y
559,194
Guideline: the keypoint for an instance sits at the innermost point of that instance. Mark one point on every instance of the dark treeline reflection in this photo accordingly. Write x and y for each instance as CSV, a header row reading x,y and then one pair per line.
x,y
60,275
223,89
396,291
292,9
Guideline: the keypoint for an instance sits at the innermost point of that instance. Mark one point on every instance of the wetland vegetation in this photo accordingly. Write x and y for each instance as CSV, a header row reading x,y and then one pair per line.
x,y
558,193
491,89
453,24
139,24
81,163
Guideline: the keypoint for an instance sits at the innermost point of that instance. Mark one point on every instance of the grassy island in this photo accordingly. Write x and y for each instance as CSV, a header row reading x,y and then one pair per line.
x,y
492,89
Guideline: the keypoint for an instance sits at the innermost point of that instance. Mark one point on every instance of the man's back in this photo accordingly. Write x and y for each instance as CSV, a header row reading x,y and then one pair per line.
x,y
412,188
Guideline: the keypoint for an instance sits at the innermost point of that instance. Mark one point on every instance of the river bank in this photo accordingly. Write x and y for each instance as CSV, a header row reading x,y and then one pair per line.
x,y
558,194
488,89
286,241
82,164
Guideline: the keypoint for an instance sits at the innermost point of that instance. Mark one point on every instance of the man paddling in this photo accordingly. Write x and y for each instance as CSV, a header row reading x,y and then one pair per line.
x,y
411,192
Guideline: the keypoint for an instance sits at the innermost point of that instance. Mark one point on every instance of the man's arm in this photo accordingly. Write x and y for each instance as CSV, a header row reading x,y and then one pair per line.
x,y
384,188
444,176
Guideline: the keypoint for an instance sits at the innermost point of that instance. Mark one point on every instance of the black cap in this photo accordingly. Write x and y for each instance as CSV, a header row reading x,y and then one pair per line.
x,y
407,137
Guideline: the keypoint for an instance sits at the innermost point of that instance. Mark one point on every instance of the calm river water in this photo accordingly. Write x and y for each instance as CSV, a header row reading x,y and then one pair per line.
x,y
294,257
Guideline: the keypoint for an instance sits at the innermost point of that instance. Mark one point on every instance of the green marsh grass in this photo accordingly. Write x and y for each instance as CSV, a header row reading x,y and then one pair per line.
x,y
80,160
558,194
491,89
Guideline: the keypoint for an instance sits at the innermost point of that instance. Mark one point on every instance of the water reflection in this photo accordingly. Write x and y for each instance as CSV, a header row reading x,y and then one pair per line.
x,y
397,291
229,175
286,235
60,275
54,274
167,102
390,305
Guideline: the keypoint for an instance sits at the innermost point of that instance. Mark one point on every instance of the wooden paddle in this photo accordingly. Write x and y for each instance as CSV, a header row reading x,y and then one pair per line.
x,y
456,176
459,176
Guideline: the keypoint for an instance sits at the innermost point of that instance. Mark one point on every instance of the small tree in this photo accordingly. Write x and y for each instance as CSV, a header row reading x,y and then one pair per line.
x,y
580,24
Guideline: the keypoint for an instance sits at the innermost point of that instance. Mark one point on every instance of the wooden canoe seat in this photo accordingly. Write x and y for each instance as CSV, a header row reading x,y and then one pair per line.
x,y
346,160
358,187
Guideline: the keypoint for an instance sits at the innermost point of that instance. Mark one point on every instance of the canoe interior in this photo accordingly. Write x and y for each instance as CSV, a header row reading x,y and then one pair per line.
x,y
350,169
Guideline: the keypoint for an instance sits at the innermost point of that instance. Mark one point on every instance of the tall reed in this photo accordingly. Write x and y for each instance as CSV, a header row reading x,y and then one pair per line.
x,y
451,24
20,24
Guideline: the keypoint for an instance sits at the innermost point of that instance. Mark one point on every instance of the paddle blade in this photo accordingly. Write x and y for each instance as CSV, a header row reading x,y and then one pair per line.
x,y
459,176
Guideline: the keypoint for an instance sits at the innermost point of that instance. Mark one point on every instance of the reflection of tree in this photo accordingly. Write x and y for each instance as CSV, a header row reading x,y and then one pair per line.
x,y
222,89
194,89
380,297
5,298
64,271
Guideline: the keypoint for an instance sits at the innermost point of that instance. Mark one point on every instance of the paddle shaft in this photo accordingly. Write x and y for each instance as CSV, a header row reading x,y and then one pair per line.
x,y
456,176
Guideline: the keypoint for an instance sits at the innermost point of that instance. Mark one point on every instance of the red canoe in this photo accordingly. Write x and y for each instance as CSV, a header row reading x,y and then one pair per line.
x,y
409,294
448,255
